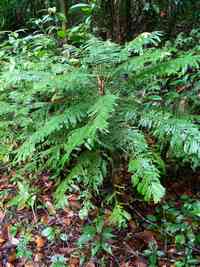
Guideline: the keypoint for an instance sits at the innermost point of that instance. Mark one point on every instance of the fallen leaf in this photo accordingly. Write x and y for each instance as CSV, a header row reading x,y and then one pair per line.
x,y
146,236
66,250
45,219
69,212
171,251
29,264
2,216
4,234
73,201
12,256
75,204
90,264
2,240
181,88
74,261
125,264
39,241
140,262
163,14
73,197
132,225
66,221
50,208
94,212
38,257
107,214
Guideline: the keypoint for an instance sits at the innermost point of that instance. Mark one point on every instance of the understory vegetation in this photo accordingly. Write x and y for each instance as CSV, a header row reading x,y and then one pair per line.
x,y
100,139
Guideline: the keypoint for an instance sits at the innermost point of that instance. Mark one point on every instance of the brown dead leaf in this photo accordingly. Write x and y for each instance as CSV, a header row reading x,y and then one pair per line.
x,y
66,221
2,216
171,251
9,264
73,197
29,264
48,184
90,264
50,208
66,250
107,214
12,256
94,213
163,14
125,264
38,257
140,262
2,240
146,236
45,219
74,261
73,201
180,89
40,242
3,234
75,204
151,141
69,212
133,226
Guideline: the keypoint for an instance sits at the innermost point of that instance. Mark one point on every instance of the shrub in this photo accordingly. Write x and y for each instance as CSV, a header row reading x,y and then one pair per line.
x,y
74,111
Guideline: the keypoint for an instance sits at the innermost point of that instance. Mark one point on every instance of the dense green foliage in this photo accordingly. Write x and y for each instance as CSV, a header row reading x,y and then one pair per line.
x,y
99,104
78,111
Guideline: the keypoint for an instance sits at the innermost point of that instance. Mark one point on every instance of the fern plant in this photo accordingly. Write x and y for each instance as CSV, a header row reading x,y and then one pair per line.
x,y
73,111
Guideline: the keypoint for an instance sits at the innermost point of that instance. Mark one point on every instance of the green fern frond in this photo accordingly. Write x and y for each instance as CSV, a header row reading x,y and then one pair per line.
x,y
89,169
150,56
139,44
119,216
6,108
144,164
69,118
146,175
73,79
98,115
146,178
134,141
182,134
97,52
177,66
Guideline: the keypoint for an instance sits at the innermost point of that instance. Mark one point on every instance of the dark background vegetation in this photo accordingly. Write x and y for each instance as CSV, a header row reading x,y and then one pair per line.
x,y
118,20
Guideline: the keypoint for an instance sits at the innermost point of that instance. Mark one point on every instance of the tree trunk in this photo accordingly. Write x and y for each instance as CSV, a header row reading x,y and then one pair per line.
x,y
63,10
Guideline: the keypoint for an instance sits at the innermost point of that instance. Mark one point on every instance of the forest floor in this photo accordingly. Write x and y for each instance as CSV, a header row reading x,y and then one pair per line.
x,y
43,236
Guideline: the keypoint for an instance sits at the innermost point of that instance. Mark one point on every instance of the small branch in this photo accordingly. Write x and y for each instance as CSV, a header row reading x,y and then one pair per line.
x,y
101,85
